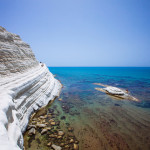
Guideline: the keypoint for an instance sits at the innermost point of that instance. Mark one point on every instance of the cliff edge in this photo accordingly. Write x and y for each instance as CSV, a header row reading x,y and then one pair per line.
x,y
25,86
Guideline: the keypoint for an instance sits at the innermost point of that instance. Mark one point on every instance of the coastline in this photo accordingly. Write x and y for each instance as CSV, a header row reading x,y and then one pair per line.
x,y
25,86
43,88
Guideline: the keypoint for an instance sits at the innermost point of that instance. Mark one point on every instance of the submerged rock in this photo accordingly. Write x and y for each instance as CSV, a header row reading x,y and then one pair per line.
x,y
63,117
70,129
117,105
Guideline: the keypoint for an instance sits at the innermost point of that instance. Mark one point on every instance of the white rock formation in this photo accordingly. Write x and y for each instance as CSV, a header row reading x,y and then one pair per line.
x,y
114,90
25,86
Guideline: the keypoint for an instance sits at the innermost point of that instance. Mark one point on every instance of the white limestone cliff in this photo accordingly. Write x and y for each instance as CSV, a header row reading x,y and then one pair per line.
x,y
25,86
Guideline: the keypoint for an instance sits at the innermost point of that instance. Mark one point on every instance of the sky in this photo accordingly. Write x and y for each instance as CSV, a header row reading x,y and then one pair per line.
x,y
82,32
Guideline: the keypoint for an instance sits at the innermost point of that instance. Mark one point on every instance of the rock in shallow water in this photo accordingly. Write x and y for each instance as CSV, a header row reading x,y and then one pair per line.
x,y
114,90
44,131
55,147
31,126
70,129
49,144
75,147
60,133
41,125
31,131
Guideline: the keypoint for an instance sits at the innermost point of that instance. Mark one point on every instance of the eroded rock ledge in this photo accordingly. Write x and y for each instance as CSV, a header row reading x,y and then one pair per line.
x,y
25,86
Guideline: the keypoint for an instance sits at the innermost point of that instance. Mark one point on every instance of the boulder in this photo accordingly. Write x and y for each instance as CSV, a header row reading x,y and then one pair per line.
x,y
55,147
31,131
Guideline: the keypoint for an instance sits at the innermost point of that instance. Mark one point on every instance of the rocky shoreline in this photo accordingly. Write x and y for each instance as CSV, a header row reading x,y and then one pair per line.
x,y
45,127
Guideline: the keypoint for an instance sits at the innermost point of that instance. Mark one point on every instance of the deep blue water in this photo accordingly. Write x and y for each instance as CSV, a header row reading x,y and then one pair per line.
x,y
135,79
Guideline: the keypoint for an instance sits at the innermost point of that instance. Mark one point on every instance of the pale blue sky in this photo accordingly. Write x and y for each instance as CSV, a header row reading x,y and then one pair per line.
x,y
82,32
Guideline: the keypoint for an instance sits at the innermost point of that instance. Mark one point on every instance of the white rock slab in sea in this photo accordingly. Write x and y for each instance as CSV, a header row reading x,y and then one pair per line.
x,y
114,90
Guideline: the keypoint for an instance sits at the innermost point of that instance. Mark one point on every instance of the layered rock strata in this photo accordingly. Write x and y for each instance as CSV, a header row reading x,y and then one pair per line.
x,y
25,86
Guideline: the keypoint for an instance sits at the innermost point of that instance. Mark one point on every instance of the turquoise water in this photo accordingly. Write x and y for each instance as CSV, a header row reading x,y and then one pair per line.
x,y
100,121
135,79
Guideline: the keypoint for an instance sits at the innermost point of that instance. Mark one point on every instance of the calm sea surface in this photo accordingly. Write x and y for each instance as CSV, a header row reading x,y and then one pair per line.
x,y
102,122
135,79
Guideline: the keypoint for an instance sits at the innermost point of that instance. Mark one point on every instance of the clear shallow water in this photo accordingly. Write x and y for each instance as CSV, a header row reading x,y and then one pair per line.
x,y
135,79
102,122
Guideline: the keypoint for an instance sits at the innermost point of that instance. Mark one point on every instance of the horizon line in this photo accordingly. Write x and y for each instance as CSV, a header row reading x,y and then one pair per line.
x,y
101,66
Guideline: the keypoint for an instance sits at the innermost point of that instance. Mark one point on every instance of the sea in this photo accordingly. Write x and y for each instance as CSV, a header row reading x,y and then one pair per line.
x,y
100,121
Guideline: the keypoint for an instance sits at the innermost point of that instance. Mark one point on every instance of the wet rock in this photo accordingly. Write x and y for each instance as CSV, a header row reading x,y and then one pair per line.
x,y
60,133
72,113
53,116
71,135
33,122
57,122
67,111
55,147
58,127
71,141
53,123
59,137
49,144
55,106
44,131
62,144
34,119
53,136
43,121
51,110
65,108
67,146
51,120
63,118
76,142
31,126
75,147
42,117
41,125
67,124
48,128
70,129
31,131
117,105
